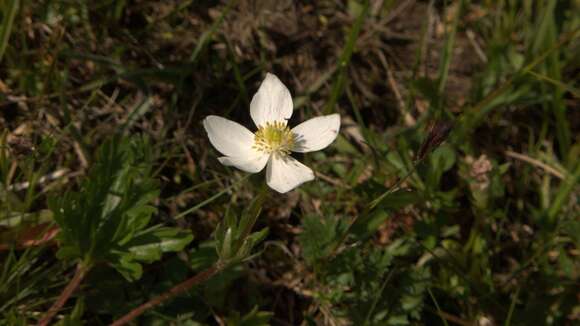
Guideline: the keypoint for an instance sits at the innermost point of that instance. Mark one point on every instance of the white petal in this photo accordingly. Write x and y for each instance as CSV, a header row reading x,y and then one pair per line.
x,y
252,163
272,102
285,173
317,133
228,137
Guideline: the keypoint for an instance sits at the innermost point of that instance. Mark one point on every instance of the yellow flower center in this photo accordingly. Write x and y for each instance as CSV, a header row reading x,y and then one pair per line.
x,y
274,137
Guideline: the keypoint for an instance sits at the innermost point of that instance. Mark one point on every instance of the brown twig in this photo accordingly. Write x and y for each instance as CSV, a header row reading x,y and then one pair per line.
x,y
407,117
456,320
538,163
178,289
332,181
80,274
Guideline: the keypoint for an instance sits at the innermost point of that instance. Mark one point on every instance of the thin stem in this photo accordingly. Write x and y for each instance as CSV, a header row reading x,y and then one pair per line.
x,y
74,283
369,208
378,297
178,289
345,57
211,199
437,306
512,306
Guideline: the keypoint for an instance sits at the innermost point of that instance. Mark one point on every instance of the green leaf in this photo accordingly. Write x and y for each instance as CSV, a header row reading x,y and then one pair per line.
x,y
249,244
68,252
252,318
367,225
203,256
106,218
125,264
441,160
149,247
234,238
226,247
318,236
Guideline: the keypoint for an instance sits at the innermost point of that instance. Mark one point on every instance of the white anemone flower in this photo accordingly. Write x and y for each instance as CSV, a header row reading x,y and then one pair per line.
x,y
271,144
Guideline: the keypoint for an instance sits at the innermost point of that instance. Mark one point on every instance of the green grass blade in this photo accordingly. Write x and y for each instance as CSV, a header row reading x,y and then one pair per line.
x,y
437,306
512,306
546,36
573,91
210,32
447,55
211,199
343,62
468,119
563,193
7,22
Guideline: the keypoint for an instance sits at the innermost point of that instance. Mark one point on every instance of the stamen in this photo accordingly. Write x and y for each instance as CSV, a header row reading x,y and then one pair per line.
x,y
274,137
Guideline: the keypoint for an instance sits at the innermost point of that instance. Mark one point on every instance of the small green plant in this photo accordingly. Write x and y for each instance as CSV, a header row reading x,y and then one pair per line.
x,y
234,244
107,219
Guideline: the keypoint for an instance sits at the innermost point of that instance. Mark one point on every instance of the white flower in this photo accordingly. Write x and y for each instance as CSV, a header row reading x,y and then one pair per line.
x,y
272,143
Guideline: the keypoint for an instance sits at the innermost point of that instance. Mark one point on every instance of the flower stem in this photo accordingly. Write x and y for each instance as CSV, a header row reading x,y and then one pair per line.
x,y
178,289
74,283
